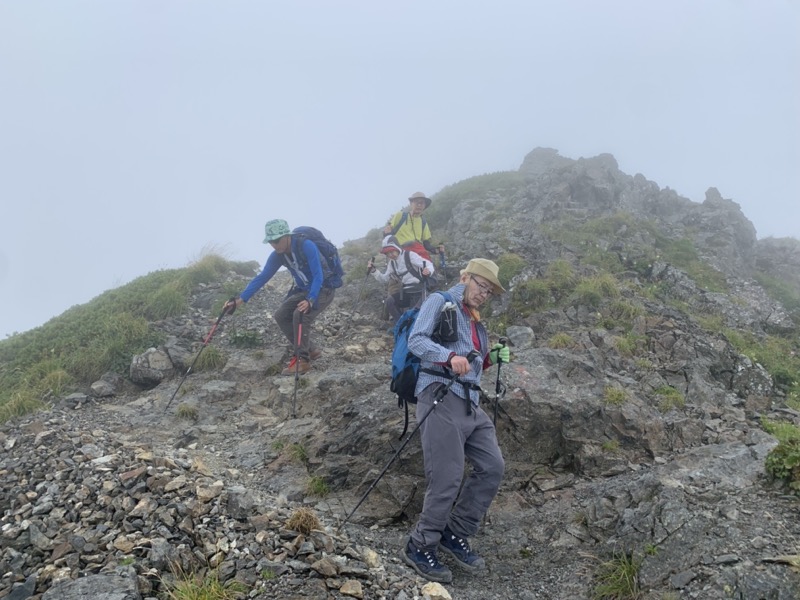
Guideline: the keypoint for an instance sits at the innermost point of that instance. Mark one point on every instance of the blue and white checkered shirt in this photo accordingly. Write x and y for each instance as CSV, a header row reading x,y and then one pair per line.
x,y
420,343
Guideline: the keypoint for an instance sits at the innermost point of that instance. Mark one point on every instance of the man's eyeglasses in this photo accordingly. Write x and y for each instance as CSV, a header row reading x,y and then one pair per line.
x,y
484,289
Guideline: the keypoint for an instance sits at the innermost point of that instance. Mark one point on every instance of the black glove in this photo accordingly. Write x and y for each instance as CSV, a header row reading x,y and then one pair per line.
x,y
230,306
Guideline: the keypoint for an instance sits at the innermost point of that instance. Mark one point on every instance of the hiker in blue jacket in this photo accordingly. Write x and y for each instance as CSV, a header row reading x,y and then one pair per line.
x,y
309,296
458,429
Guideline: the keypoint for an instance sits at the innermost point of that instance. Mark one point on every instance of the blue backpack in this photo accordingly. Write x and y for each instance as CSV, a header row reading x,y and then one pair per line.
x,y
405,364
332,265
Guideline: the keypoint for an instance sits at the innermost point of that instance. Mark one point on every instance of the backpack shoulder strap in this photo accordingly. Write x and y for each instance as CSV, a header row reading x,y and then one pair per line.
x,y
411,268
402,220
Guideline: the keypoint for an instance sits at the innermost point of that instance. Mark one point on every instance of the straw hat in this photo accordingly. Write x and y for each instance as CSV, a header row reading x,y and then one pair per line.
x,y
420,196
488,270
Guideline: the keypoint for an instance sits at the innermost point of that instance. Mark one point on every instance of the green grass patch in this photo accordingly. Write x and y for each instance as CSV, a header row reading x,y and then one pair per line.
x,y
186,411
561,278
560,341
73,350
317,486
529,296
509,265
298,453
779,356
592,291
210,358
201,586
245,338
615,396
617,578
611,446
669,398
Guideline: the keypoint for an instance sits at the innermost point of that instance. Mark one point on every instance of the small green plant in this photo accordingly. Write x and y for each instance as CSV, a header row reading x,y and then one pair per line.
x,y
651,550
525,553
529,296
278,445
303,520
245,338
509,266
611,446
186,411
626,345
268,574
615,395
714,323
196,586
645,364
298,453
561,340
618,578
317,486
624,310
126,560
210,359
669,398
170,300
783,461
561,277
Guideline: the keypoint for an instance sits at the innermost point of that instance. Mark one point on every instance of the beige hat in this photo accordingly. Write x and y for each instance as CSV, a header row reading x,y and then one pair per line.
x,y
420,196
486,269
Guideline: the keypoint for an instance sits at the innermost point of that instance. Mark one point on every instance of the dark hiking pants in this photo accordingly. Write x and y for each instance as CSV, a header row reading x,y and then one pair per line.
x,y
288,317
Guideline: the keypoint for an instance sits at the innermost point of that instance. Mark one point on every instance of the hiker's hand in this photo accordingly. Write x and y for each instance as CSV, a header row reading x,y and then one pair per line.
x,y
370,266
440,249
232,304
499,354
304,306
459,365
426,272
387,230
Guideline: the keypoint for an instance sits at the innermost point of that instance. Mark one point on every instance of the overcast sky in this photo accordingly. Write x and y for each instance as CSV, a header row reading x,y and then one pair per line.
x,y
135,134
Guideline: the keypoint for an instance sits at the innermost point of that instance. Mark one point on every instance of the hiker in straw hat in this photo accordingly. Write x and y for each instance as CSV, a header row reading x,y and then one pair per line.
x,y
458,430
410,229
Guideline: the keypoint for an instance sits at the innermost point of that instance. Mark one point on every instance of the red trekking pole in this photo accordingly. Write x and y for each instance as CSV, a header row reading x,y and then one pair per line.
x,y
224,312
297,363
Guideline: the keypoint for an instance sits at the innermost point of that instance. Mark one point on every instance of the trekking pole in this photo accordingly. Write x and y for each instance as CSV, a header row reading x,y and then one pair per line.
x,y
499,387
224,312
436,400
443,264
361,287
297,363
424,282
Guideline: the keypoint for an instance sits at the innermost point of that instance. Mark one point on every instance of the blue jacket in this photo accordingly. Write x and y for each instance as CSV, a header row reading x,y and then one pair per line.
x,y
308,277
433,356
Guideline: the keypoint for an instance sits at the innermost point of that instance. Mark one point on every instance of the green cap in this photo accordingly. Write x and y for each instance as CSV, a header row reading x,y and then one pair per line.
x,y
275,229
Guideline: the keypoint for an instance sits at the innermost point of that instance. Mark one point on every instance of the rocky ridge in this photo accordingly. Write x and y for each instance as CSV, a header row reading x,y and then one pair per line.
x,y
108,489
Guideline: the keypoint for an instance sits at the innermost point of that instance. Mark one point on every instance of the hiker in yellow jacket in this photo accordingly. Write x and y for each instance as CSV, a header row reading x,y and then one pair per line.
x,y
410,228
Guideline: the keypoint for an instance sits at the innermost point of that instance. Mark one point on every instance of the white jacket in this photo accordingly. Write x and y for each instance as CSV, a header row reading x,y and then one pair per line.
x,y
397,269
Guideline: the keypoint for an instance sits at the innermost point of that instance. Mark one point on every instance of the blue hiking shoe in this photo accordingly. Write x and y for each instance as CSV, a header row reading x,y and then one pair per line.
x,y
459,549
426,564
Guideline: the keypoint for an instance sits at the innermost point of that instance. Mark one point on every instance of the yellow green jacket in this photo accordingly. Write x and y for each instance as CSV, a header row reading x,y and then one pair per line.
x,y
414,229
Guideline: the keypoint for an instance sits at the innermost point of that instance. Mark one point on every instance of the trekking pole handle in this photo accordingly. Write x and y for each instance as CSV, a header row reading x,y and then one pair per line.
x,y
504,342
370,264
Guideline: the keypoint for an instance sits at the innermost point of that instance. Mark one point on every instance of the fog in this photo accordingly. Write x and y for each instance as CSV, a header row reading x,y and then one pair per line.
x,y
136,135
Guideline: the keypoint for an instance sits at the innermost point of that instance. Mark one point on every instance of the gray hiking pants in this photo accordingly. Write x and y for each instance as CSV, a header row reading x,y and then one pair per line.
x,y
450,435
288,317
